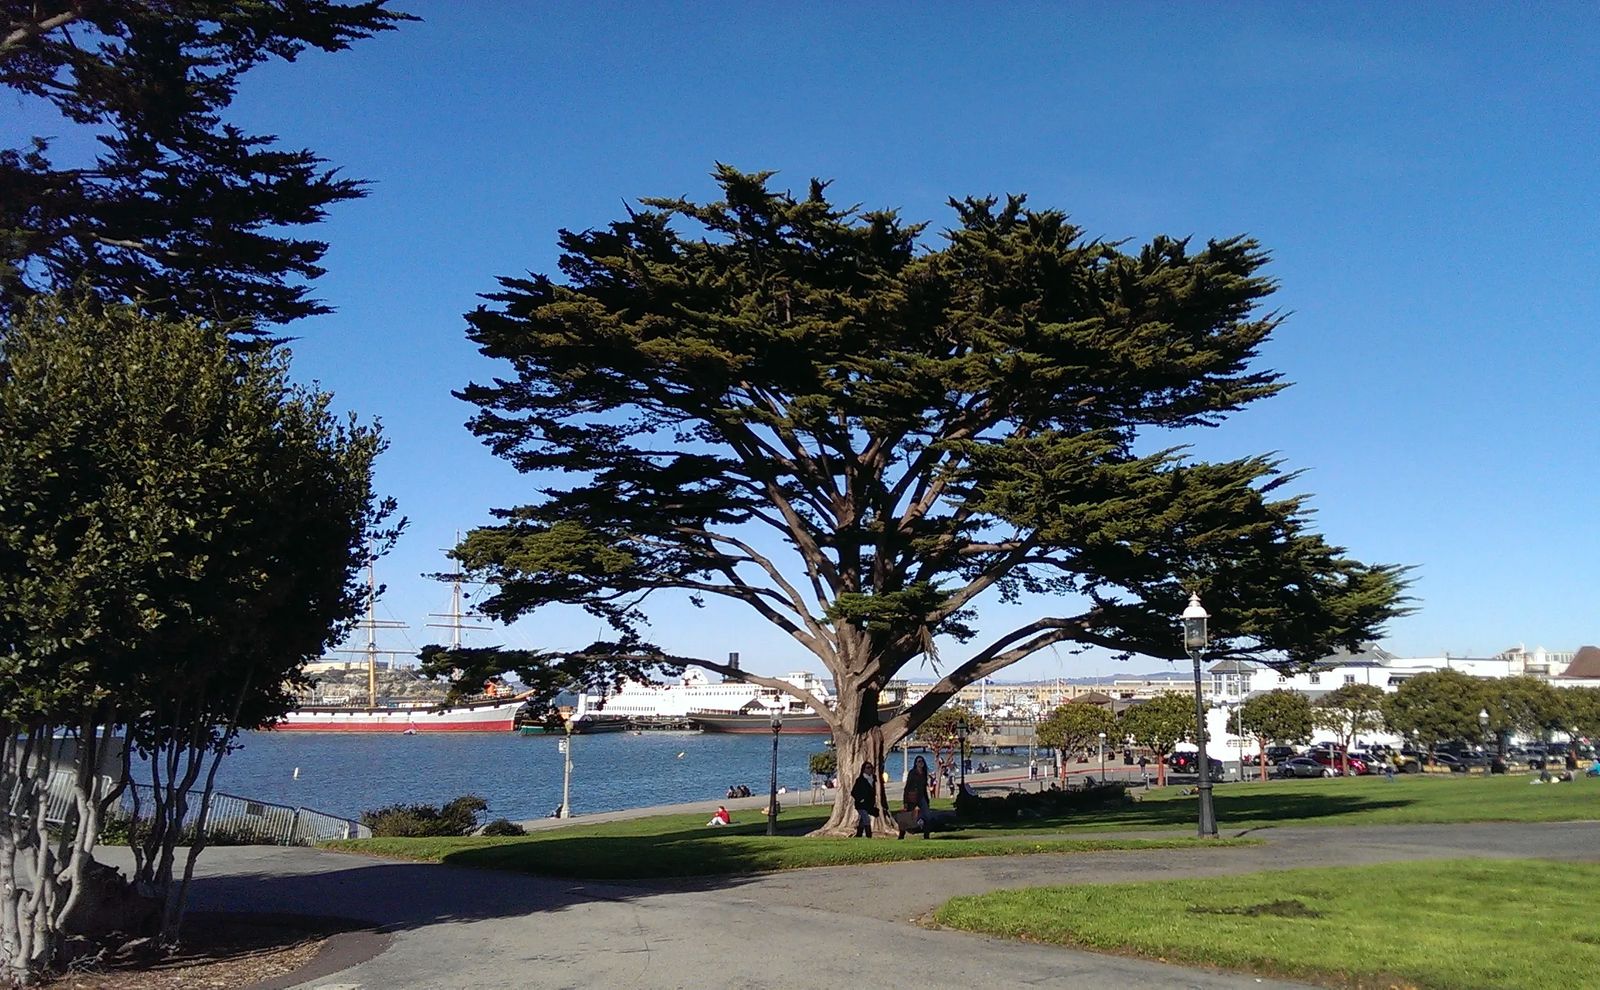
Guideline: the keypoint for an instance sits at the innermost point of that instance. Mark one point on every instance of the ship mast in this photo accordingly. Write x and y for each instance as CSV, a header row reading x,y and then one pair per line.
x,y
372,624
456,625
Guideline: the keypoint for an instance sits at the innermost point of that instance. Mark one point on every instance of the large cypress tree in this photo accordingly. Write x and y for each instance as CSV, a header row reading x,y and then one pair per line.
x,y
857,431
178,209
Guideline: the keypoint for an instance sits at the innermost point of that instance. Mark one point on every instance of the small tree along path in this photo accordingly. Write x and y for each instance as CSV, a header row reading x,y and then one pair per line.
x,y
858,432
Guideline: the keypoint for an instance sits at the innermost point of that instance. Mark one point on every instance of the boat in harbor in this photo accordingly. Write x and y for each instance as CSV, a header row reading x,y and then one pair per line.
x,y
496,710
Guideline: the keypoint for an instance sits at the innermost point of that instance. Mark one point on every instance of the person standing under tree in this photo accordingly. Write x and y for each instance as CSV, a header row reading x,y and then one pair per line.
x,y
916,796
864,795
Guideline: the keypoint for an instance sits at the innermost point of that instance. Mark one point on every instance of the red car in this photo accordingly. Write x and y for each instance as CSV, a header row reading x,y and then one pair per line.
x,y
1327,758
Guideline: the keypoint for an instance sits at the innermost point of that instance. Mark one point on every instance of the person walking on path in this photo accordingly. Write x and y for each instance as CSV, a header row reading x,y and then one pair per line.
x,y
916,797
864,795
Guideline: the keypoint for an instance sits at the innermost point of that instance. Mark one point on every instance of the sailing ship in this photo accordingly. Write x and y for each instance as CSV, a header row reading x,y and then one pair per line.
x,y
494,712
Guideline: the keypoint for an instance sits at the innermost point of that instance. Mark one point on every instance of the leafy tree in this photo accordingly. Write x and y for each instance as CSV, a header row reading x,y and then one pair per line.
x,y
1277,717
178,209
941,733
1160,724
859,434
1074,726
825,764
1524,706
180,532
1347,711
1436,707
1582,711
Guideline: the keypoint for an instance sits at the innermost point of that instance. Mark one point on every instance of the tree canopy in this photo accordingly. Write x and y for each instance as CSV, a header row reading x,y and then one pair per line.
x,y
1076,725
1160,724
1279,716
180,531
179,209
858,432
1436,707
1347,711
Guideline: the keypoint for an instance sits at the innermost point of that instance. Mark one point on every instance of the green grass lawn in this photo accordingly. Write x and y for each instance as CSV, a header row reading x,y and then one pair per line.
x,y
1448,925
682,846
1409,799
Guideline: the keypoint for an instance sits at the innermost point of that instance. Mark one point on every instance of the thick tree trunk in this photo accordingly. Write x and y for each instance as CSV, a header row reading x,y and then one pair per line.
x,y
857,739
1261,757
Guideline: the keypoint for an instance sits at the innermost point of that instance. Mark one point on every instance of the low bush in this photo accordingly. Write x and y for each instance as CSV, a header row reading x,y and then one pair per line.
x,y
503,826
1040,804
825,763
403,821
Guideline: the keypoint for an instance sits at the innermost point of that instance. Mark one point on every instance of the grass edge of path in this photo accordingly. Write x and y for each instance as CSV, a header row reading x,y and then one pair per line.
x,y
720,855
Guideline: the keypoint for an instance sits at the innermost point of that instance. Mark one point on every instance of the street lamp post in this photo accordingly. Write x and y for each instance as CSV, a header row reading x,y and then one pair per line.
x,y
1483,723
1102,757
1194,641
772,801
961,753
566,772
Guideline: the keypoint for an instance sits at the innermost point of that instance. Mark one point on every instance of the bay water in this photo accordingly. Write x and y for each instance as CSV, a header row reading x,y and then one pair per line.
x,y
345,774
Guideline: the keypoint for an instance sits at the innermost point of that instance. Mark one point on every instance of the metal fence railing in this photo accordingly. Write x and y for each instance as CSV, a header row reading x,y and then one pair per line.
x,y
238,820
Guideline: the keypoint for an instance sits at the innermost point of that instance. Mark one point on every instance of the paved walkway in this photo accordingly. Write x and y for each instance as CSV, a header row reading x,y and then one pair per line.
x,y
457,928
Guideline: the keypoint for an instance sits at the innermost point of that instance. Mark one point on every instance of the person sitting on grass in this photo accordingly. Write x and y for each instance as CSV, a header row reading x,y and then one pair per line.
x,y
721,818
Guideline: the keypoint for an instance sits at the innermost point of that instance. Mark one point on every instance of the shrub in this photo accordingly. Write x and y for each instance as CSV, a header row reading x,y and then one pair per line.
x,y
1021,804
410,821
502,826
825,763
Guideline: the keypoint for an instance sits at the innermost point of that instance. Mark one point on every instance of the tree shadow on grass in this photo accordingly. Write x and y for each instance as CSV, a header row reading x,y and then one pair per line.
x,y
1242,806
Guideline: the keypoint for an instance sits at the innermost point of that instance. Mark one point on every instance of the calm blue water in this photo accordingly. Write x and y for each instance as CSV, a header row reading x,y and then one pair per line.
x,y
520,776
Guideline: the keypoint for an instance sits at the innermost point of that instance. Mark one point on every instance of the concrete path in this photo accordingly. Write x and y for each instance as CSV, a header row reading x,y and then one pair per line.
x,y
456,928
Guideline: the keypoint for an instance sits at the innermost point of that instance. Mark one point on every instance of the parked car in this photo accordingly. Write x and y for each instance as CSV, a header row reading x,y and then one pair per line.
x,y
1304,766
1328,758
1188,763
1450,760
1375,762
1277,754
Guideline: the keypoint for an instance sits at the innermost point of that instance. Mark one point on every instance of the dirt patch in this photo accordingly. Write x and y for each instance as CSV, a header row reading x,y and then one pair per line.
x,y
1276,909
218,951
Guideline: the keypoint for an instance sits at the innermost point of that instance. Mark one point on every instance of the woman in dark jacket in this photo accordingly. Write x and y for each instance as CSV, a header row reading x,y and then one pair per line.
x,y
916,796
864,794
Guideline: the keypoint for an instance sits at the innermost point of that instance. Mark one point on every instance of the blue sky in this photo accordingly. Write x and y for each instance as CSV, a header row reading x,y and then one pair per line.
x,y
1425,177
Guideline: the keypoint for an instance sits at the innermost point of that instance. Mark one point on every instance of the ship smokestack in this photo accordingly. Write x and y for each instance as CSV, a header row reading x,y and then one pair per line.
x,y
733,660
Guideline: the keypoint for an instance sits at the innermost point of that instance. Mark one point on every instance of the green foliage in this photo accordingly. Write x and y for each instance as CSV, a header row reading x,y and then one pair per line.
x,y
1526,706
1350,710
1076,725
458,817
941,732
942,729
1436,707
177,522
1160,723
177,208
857,431
1282,717
825,763
1582,710
180,532
503,826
